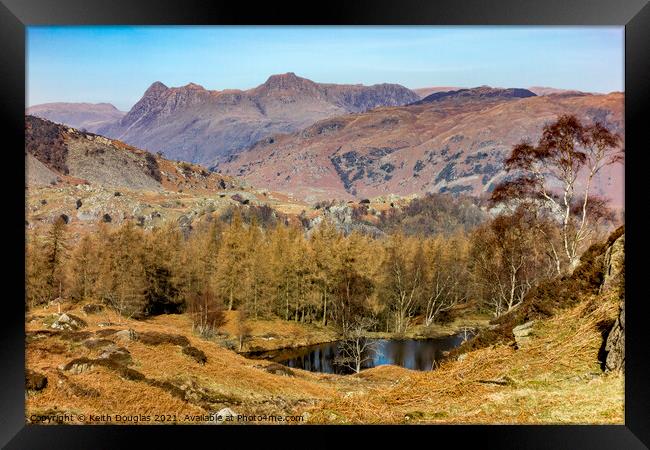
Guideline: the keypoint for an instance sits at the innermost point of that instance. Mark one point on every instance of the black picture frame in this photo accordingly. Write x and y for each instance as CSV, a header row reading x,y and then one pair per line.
x,y
15,15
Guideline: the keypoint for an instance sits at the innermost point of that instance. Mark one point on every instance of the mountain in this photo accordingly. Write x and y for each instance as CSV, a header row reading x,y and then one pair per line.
x,y
448,142
194,124
84,116
426,91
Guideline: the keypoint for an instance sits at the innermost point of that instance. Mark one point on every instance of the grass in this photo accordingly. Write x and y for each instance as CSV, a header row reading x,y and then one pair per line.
x,y
555,379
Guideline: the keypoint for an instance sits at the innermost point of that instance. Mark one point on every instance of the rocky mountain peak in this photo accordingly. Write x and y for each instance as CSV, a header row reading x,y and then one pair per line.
x,y
287,81
194,86
155,89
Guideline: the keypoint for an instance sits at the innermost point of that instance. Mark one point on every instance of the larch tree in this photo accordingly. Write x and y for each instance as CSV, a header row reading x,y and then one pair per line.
x,y
231,263
325,241
444,275
402,278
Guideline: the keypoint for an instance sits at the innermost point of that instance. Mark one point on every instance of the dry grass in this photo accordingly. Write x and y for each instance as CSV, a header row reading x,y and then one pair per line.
x,y
555,379
226,374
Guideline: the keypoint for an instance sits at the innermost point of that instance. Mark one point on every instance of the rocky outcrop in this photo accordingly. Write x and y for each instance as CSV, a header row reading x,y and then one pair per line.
x,y
614,264
523,333
478,93
68,322
93,308
614,278
615,344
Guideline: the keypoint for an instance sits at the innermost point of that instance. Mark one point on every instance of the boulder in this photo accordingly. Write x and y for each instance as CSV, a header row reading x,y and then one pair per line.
x,y
239,198
523,333
613,276
94,343
614,264
126,335
68,322
195,354
279,369
225,415
117,354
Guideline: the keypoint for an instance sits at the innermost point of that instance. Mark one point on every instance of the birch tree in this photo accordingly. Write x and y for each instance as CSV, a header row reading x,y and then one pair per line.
x,y
557,175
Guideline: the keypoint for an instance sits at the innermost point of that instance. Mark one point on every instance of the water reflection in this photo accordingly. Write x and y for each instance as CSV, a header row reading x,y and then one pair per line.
x,y
417,354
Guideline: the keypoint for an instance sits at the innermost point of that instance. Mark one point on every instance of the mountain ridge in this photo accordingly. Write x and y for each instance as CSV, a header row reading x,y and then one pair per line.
x,y
200,125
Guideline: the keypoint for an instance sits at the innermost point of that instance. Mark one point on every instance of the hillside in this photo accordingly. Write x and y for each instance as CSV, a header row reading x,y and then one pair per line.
x,y
84,116
198,125
90,179
88,359
448,142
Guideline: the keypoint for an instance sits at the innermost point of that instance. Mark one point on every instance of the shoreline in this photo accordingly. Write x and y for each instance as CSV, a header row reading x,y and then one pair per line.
x,y
328,335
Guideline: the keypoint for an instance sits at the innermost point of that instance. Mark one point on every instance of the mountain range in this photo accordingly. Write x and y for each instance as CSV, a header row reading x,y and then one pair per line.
x,y
320,141
194,124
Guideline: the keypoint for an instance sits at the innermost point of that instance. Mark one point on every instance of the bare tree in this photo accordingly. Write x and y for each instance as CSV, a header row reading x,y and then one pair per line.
x,y
402,280
206,313
506,261
355,349
443,277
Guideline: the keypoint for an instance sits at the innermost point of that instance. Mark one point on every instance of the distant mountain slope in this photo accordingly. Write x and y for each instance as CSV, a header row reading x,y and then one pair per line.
x,y
87,116
479,93
542,90
195,124
426,91
448,142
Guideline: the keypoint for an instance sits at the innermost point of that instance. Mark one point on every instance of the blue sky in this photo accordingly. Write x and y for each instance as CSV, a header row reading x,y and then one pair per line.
x,y
116,64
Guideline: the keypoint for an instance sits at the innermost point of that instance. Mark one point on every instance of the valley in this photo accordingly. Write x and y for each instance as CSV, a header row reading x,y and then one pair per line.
x,y
354,269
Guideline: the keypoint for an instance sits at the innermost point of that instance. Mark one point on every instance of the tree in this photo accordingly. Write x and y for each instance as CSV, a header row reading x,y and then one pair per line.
x,y
84,266
161,258
325,242
206,313
353,284
444,275
123,279
256,270
230,263
355,349
46,257
548,176
506,261
402,278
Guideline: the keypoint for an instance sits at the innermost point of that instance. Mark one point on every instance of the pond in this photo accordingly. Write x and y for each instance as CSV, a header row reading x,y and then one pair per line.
x,y
416,354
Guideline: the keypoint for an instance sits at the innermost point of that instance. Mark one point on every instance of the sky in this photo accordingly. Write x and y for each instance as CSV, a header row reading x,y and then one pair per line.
x,y
116,64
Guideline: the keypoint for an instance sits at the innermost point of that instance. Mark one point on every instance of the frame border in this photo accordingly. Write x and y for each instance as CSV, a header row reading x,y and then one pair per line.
x,y
16,15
